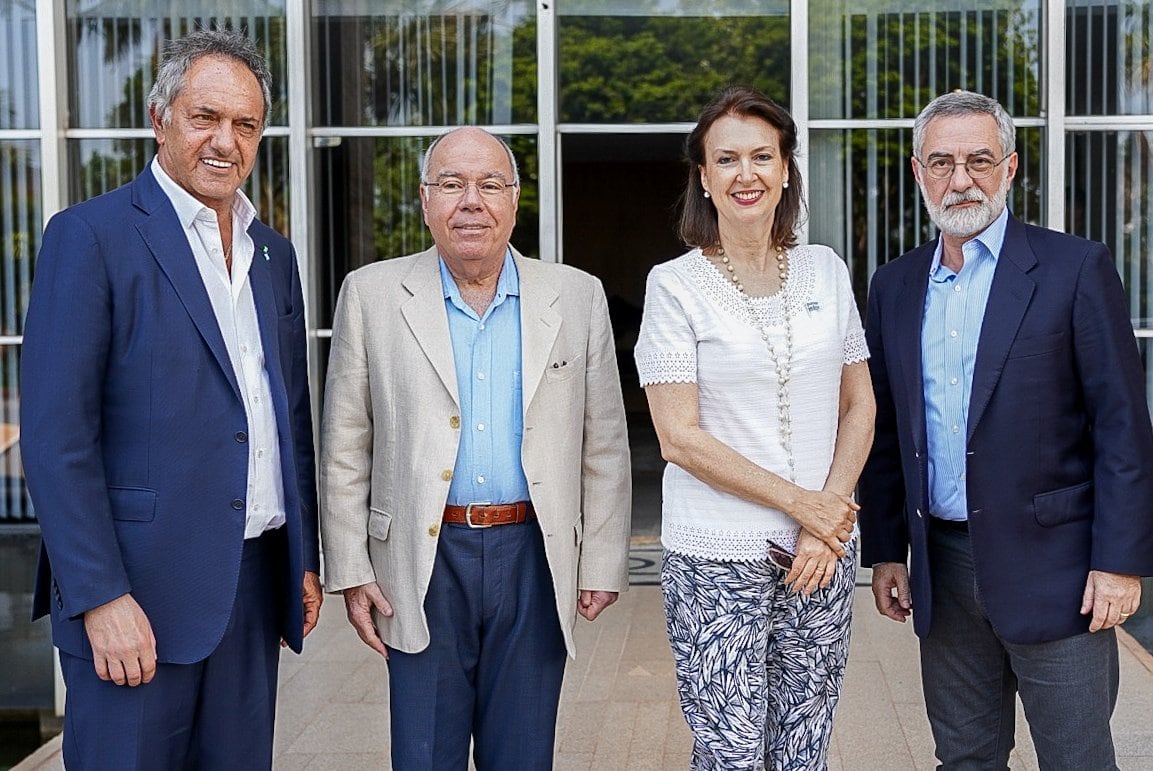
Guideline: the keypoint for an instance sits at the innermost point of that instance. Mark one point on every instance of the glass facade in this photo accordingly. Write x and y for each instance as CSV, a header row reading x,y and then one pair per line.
x,y
595,98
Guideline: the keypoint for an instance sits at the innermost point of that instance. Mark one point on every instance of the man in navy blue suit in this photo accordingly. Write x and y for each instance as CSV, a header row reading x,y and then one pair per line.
x,y
167,440
1013,459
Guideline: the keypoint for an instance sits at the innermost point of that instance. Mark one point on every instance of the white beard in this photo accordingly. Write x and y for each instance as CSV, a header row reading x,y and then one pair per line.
x,y
971,220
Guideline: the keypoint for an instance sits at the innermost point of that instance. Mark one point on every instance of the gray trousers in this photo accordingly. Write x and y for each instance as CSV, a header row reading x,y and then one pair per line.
x,y
971,678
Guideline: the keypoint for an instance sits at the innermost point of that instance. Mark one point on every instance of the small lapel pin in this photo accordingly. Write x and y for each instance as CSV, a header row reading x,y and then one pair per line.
x,y
265,248
812,306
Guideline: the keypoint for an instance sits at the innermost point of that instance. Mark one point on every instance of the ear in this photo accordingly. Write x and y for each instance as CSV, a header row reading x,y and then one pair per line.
x,y
704,184
1012,166
157,124
916,170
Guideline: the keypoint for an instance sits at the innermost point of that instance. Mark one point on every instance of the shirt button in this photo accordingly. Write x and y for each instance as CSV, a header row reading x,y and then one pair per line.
x,y
953,333
482,327
480,376
480,479
480,426
957,289
956,429
244,349
454,421
953,381
434,531
446,475
260,453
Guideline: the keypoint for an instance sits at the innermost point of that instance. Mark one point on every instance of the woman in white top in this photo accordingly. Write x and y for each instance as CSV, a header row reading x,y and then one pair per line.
x,y
753,360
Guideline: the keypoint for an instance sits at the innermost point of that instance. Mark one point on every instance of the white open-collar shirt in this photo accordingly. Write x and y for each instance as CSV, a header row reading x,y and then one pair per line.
x,y
235,310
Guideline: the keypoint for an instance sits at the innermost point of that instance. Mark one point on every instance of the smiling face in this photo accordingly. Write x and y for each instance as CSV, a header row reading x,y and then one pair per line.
x,y
471,230
744,171
209,144
959,205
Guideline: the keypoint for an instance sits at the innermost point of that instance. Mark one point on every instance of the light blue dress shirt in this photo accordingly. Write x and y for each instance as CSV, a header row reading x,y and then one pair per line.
x,y
954,310
488,375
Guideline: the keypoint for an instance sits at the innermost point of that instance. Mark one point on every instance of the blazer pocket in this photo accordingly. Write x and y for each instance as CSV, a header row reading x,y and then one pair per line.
x,y
1035,346
379,522
132,504
1068,504
560,368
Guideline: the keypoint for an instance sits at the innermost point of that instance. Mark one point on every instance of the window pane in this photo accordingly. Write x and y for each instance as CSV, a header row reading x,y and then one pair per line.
x,y
113,50
14,503
644,62
20,226
367,194
1109,198
1110,70
426,63
865,203
19,101
887,62
100,165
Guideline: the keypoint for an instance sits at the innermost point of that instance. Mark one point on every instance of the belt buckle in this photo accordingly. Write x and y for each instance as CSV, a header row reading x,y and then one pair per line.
x,y
468,514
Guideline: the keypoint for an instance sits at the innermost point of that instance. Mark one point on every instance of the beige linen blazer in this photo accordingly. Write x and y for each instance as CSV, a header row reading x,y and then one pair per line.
x,y
391,428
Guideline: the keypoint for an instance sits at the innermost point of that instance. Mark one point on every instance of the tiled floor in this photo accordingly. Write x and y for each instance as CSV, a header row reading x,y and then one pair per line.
x,y
619,709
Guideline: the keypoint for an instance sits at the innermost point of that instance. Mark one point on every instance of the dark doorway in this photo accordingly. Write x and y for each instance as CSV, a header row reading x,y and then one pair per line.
x,y
620,194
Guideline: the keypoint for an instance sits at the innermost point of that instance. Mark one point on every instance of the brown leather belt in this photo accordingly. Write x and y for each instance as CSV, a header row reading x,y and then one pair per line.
x,y
489,514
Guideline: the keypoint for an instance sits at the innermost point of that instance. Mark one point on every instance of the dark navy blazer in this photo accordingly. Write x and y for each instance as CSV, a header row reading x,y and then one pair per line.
x,y
1059,473
133,432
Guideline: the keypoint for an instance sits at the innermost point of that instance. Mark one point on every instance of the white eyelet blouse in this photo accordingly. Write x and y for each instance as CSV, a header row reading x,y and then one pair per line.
x,y
697,329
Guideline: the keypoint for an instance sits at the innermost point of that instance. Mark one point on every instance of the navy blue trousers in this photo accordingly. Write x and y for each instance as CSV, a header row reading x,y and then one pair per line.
x,y
215,714
493,670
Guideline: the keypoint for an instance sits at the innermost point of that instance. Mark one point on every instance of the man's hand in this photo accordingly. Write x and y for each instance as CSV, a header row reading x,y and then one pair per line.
x,y
313,597
814,564
1111,598
123,646
358,604
891,590
592,603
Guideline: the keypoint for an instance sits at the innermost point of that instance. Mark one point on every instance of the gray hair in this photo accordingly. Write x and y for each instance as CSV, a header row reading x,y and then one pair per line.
x,y
181,53
965,103
432,146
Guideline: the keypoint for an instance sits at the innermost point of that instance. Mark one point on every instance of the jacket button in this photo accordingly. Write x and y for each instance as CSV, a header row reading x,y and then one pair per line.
x,y
241,437
454,421
446,475
238,504
434,531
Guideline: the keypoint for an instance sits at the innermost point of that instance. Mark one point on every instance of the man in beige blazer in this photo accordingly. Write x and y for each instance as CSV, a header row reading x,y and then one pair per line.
x,y
475,475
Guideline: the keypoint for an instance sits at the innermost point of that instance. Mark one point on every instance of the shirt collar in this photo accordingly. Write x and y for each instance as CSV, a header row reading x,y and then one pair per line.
x,y
188,208
992,238
507,284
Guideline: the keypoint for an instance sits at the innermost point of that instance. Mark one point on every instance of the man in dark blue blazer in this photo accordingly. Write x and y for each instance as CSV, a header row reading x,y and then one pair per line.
x,y
167,440
1013,459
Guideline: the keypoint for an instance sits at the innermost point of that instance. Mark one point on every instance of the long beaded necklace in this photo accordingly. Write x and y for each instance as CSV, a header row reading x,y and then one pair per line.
x,y
783,365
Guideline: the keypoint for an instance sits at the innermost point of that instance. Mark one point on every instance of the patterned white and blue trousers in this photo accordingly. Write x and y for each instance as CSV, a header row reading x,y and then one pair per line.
x,y
759,668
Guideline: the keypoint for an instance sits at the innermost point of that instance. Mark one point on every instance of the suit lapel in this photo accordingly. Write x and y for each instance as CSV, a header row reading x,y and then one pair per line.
x,y
539,325
909,322
165,238
1009,297
267,319
426,318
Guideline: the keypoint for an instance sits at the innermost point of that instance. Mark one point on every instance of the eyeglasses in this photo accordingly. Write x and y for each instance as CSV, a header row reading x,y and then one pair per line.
x,y
976,166
780,556
455,188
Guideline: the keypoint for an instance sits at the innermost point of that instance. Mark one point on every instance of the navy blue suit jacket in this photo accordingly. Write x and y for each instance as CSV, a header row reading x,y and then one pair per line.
x,y
1059,473
133,432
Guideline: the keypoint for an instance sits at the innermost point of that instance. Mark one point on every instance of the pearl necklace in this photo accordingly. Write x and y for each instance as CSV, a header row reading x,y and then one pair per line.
x,y
783,365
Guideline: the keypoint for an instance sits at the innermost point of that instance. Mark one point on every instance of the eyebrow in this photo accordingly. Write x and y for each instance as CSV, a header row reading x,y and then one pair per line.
x,y
457,175
982,151
761,149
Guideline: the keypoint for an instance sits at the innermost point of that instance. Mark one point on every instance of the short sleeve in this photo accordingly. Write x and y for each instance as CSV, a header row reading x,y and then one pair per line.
x,y
666,350
853,334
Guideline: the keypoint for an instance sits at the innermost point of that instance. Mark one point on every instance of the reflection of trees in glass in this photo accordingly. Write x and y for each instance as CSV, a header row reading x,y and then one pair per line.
x,y
20,222
635,69
435,69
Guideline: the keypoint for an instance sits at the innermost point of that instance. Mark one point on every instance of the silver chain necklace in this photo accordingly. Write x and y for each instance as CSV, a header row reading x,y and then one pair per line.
x,y
783,365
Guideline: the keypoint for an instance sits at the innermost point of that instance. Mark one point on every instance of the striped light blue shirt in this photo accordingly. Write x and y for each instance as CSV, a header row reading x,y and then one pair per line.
x,y
488,375
954,310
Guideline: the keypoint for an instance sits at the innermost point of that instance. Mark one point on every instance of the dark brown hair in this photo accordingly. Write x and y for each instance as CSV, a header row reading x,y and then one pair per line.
x,y
698,226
